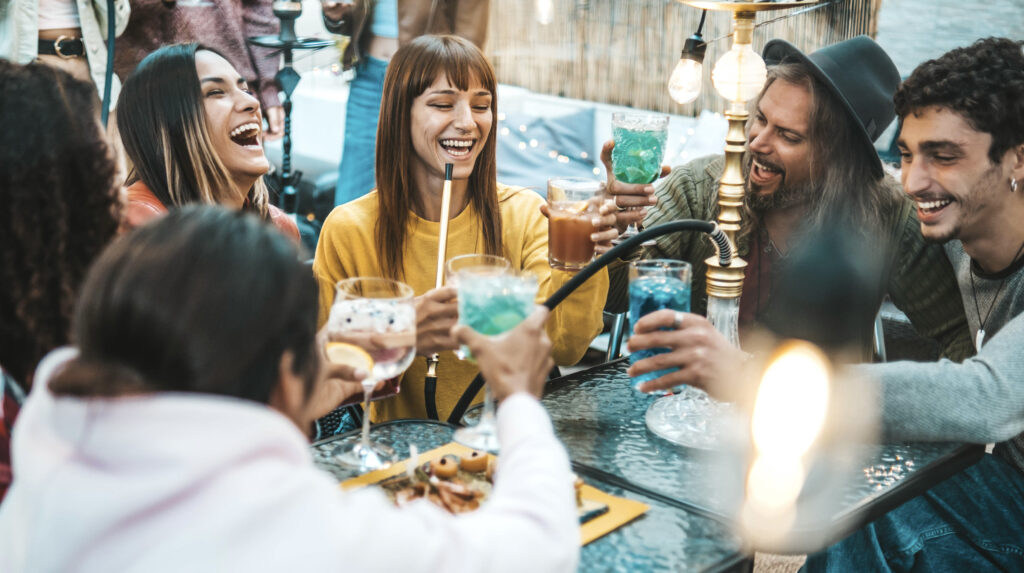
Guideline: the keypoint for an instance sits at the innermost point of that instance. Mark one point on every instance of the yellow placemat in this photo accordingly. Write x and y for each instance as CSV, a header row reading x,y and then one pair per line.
x,y
620,510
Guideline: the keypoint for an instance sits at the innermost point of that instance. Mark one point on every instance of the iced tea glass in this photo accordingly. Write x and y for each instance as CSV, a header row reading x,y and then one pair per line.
x,y
492,304
573,206
379,316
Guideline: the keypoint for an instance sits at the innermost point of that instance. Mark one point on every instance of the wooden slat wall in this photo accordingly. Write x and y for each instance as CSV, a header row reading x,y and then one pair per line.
x,y
623,51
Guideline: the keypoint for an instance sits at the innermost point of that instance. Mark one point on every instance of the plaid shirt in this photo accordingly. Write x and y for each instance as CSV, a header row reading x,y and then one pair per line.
x,y
917,275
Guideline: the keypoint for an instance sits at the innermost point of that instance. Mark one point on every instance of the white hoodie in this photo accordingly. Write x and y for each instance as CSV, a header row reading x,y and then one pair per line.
x,y
190,482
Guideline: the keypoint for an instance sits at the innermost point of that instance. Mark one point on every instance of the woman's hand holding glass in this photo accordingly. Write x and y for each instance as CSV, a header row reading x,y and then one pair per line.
x,y
704,358
606,227
436,313
516,361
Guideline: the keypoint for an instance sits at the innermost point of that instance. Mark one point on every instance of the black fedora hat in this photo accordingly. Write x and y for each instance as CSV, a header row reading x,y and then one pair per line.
x,y
859,73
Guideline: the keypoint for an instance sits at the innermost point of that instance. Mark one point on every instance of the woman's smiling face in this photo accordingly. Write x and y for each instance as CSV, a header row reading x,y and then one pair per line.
x,y
232,118
450,125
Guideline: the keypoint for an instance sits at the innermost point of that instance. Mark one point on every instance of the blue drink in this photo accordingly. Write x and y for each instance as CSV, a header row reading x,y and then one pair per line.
x,y
639,146
636,157
493,304
656,285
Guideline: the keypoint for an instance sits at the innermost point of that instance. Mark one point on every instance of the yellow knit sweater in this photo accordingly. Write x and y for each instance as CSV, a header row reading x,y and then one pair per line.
x,y
346,249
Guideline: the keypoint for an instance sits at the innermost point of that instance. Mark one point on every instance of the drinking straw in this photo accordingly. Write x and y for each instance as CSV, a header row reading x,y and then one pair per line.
x,y
430,381
442,241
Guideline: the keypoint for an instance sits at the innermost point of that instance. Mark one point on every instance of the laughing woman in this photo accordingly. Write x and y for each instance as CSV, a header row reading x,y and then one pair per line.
x,y
192,128
438,107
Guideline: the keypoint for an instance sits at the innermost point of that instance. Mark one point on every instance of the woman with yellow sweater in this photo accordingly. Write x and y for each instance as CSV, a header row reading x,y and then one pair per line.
x,y
438,107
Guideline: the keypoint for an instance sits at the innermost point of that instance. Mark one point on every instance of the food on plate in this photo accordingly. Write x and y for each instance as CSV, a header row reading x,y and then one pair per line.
x,y
475,462
445,467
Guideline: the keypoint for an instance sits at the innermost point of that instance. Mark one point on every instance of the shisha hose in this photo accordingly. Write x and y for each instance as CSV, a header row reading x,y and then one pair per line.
x,y
709,227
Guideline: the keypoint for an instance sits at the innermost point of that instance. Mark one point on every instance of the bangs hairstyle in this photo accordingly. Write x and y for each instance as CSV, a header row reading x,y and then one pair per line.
x,y
164,128
220,324
841,166
412,70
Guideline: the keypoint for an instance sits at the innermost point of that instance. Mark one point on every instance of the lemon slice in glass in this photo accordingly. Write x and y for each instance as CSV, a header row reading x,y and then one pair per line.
x,y
349,355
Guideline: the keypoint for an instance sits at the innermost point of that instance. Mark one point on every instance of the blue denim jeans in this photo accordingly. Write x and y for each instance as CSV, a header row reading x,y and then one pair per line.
x,y
973,521
356,172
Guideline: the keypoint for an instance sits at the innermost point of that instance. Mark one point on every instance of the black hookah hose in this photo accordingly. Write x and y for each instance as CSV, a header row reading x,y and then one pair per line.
x,y
108,79
709,227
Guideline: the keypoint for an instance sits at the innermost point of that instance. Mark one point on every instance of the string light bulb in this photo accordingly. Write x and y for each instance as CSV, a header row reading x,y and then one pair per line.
x,y
545,12
739,75
685,83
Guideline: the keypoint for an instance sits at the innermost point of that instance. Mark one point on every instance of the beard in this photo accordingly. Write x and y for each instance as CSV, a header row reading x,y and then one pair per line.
x,y
784,196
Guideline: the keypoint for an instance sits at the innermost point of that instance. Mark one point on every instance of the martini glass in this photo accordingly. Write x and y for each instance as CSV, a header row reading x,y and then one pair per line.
x,y
379,316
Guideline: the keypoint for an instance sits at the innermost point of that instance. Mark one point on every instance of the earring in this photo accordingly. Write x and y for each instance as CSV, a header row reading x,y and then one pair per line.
x,y
1013,185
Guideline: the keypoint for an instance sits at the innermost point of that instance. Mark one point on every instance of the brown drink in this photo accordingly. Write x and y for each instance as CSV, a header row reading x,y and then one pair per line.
x,y
573,205
569,244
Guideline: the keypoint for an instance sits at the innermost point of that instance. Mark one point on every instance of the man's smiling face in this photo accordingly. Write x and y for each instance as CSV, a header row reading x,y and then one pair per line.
x,y
947,171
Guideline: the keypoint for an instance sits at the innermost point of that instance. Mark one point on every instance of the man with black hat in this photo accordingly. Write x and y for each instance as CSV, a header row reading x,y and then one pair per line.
x,y
962,144
809,164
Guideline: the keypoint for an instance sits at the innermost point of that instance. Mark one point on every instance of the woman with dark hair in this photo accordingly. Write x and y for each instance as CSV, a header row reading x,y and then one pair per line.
x,y
192,129
173,434
60,208
440,99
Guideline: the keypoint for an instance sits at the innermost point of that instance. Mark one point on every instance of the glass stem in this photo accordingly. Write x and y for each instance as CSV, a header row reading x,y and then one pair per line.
x,y
488,415
365,438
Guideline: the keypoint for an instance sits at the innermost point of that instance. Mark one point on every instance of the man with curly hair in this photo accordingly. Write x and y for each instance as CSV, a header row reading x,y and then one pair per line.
x,y
59,209
962,144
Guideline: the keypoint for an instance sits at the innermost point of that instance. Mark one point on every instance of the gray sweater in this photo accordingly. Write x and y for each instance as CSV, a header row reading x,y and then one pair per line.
x,y
978,401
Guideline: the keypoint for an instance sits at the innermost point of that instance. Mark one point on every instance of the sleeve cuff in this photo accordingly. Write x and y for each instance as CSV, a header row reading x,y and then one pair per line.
x,y
521,417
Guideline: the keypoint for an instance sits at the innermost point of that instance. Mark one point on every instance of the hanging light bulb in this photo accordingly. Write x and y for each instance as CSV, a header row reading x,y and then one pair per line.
x,y
545,12
740,74
685,83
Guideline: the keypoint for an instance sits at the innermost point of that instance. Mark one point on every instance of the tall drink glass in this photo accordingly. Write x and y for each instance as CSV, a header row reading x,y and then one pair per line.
x,y
656,284
639,150
379,316
492,304
573,205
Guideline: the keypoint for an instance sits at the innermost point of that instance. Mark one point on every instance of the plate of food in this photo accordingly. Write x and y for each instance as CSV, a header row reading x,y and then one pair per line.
x,y
459,480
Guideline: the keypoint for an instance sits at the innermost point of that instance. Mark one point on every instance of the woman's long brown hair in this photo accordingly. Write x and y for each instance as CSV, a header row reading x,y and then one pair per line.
x,y
412,70
163,125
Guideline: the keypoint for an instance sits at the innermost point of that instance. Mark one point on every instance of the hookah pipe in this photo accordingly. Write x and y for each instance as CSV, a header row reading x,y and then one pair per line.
x,y
708,227
430,382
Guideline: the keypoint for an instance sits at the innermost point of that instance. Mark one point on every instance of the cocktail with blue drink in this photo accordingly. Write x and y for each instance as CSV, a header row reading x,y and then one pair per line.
x,y
639,149
655,285
492,304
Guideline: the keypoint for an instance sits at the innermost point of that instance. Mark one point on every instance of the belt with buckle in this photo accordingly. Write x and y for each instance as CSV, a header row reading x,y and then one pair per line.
x,y
64,46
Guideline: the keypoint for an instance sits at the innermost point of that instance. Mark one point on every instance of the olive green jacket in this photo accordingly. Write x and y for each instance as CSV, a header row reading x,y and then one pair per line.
x,y
916,275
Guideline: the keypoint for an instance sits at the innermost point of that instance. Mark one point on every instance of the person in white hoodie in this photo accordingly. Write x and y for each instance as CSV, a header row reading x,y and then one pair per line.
x,y
173,437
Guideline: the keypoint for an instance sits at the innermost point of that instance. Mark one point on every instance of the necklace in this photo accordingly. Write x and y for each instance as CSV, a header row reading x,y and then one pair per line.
x,y
980,338
770,247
